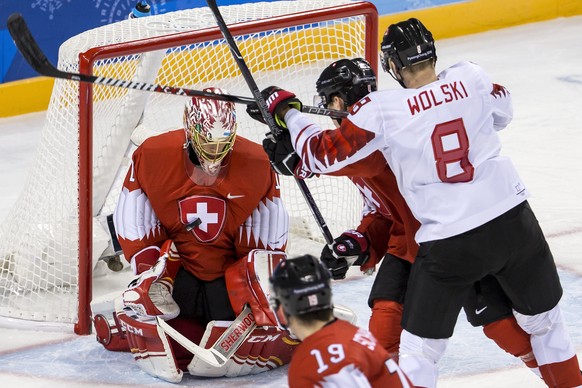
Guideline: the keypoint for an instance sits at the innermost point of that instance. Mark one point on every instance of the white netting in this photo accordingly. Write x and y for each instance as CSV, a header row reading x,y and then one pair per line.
x,y
39,243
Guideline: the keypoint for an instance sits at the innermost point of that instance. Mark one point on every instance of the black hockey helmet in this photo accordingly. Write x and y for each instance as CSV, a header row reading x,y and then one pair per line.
x,y
351,79
406,43
300,285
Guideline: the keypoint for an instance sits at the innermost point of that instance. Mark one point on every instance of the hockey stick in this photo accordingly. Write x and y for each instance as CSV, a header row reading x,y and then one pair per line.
x,y
246,73
32,53
218,354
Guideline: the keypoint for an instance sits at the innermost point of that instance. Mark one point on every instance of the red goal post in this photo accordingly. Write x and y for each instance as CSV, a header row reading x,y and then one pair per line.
x,y
48,260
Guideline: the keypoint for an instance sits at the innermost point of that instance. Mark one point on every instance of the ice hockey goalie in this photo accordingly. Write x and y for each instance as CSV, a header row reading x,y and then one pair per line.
x,y
165,345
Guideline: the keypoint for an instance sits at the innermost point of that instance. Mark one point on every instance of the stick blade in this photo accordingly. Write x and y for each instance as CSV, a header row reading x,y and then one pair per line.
x,y
209,356
28,46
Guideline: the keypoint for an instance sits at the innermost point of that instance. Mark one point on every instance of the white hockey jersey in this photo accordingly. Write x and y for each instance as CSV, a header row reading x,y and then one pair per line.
x,y
441,142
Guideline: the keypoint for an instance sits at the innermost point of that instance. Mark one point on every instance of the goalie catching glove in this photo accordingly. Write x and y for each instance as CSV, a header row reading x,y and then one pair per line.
x,y
148,295
350,248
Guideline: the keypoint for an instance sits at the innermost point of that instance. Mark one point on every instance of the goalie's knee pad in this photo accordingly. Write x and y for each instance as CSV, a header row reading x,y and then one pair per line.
x,y
385,324
419,357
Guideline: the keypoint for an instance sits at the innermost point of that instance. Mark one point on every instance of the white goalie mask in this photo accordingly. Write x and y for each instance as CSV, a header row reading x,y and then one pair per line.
x,y
210,127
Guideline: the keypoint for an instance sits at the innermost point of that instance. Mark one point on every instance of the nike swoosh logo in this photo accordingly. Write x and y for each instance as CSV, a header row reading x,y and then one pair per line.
x,y
479,311
230,196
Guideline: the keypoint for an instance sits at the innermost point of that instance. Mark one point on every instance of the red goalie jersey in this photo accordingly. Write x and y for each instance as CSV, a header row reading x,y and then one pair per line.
x,y
343,355
238,212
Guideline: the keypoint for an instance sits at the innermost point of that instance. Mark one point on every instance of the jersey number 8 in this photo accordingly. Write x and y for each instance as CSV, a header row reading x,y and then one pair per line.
x,y
450,145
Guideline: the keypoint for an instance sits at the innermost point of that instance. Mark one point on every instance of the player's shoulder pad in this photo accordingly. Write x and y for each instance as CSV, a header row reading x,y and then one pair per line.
x,y
163,141
250,152
462,67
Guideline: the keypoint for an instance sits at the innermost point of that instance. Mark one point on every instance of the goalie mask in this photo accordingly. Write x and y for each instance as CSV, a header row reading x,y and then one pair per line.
x,y
406,43
210,127
299,286
350,79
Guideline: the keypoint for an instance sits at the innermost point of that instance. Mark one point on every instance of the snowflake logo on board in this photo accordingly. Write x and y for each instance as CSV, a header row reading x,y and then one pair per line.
x,y
48,6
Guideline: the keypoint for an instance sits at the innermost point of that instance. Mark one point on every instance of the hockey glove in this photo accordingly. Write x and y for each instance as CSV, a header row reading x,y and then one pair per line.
x,y
351,248
283,157
277,99
255,113
149,296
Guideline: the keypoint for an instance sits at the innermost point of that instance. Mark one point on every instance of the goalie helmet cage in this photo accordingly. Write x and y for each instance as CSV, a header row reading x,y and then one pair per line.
x,y
57,230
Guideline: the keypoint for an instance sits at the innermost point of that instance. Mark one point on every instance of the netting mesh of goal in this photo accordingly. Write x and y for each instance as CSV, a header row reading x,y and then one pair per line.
x,y
39,240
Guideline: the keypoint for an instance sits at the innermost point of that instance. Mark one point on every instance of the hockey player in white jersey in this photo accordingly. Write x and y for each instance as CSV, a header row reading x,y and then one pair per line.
x,y
439,137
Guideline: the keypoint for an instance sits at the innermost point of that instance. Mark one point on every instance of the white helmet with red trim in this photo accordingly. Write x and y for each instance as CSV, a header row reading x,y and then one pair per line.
x,y
210,127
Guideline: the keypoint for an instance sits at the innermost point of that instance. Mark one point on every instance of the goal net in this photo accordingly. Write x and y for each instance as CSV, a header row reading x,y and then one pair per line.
x,y
57,231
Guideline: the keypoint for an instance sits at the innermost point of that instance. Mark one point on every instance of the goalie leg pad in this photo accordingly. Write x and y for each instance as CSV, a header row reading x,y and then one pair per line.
x,y
151,348
247,281
266,348
385,324
108,329
110,334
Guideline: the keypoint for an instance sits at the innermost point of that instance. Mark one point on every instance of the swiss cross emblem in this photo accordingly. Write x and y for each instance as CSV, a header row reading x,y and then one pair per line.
x,y
210,210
